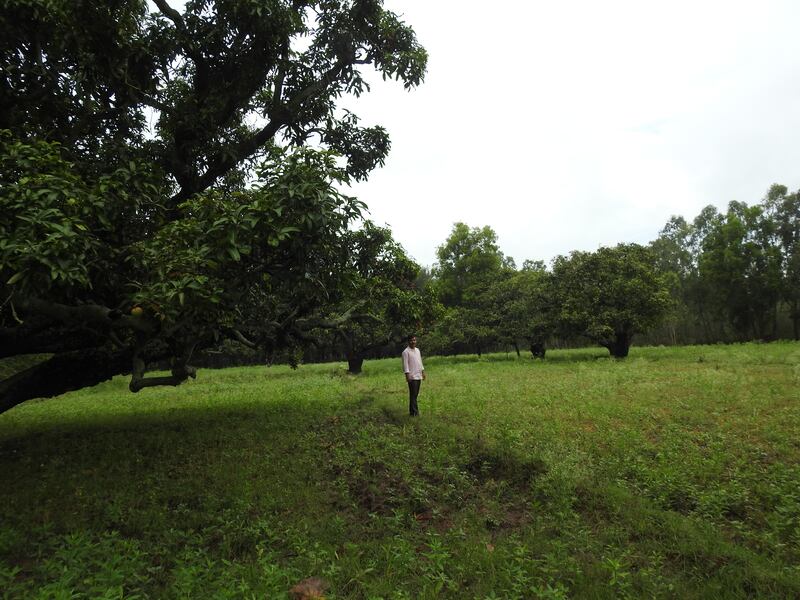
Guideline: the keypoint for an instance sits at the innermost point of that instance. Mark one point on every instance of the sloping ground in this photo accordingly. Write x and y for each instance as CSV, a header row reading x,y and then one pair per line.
x,y
671,474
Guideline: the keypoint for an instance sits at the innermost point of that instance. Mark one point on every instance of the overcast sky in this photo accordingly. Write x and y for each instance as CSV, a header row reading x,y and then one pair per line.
x,y
570,125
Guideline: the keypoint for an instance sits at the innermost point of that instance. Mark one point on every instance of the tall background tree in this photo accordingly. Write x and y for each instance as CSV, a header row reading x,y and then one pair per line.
x,y
469,264
783,209
741,263
734,275
158,187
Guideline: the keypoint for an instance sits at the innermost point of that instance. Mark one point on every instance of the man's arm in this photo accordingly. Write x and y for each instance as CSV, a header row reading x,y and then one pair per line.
x,y
406,367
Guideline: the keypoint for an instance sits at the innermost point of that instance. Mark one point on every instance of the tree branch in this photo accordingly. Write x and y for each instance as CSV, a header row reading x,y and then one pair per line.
x,y
87,314
178,376
226,161
172,14
181,371
239,337
62,373
336,322
379,344
277,92
177,19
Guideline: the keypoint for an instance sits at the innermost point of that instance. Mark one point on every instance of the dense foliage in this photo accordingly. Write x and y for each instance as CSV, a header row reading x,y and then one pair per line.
x,y
172,178
609,295
606,296
735,275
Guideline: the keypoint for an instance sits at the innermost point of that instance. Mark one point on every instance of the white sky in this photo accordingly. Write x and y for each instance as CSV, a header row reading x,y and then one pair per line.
x,y
575,124
569,125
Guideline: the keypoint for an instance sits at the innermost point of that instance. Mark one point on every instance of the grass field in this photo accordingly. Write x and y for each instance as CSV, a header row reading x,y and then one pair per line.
x,y
672,474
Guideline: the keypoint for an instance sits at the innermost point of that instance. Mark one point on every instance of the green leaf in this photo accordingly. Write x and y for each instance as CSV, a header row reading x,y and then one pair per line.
x,y
15,278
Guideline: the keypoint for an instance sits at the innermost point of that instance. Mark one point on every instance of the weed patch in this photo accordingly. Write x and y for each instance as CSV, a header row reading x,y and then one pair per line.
x,y
519,472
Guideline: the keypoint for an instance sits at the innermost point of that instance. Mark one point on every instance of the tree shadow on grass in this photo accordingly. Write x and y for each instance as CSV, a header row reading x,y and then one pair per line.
x,y
160,469
57,433
171,483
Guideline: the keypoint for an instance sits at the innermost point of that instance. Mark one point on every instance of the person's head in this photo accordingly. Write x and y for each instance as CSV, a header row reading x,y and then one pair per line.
x,y
412,341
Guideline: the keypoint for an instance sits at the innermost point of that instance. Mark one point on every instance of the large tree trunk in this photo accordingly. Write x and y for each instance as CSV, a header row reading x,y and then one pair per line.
x,y
63,373
537,349
620,346
355,361
796,319
516,347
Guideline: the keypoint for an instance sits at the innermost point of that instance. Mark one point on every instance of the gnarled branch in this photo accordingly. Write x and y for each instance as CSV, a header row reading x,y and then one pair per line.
x,y
181,371
239,337
87,314
226,161
172,14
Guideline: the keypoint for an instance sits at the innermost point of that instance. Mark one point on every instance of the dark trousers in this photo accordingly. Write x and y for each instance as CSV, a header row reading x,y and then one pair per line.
x,y
413,392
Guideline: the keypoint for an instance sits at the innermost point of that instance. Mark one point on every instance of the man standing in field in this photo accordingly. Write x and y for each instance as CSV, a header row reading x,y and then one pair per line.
x,y
415,373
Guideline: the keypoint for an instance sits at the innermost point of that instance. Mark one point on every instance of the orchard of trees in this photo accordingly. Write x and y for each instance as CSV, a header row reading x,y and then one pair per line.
x,y
170,184
724,277
605,297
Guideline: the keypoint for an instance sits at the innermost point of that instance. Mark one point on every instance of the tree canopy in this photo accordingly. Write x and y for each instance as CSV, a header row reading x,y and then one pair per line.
x,y
469,264
170,178
610,294
382,296
468,261
734,274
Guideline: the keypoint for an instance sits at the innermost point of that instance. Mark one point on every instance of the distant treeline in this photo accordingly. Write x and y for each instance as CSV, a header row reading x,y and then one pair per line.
x,y
734,276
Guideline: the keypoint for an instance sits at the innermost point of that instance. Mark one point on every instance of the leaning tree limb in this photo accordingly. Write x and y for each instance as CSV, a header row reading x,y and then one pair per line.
x,y
86,314
240,337
63,373
51,341
223,162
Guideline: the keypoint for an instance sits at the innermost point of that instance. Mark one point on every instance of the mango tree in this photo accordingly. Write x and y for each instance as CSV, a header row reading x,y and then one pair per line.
x,y
381,298
610,295
525,304
156,188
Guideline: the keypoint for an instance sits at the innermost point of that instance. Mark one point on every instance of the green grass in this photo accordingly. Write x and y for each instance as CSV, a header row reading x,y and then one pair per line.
x,y
672,474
